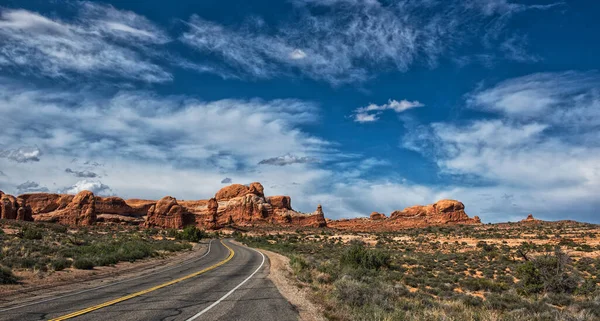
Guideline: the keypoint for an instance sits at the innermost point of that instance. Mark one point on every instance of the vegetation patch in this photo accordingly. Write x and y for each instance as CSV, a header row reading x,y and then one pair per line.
x,y
490,272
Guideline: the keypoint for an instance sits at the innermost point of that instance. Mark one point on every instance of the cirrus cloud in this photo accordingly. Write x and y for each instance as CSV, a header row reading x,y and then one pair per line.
x,y
99,41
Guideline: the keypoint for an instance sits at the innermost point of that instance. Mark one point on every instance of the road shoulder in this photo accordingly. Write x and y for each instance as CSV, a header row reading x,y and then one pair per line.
x,y
281,275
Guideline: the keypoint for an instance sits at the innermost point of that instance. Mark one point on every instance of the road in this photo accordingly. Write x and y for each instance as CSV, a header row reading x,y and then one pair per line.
x,y
228,282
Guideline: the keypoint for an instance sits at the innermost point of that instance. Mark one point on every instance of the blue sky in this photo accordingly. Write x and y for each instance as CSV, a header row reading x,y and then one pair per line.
x,y
358,105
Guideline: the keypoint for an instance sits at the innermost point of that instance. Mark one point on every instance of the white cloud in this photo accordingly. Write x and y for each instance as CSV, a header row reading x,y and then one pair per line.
x,y
371,112
155,146
95,187
543,150
100,40
352,40
543,95
297,54
287,159
22,154
365,118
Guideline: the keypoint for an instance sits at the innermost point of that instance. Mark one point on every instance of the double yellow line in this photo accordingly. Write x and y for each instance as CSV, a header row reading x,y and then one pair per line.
x,y
133,295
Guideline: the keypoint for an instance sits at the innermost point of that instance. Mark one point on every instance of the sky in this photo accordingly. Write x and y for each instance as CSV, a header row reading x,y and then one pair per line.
x,y
360,106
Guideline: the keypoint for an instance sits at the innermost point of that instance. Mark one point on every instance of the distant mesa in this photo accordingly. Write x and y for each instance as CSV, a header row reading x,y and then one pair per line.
x,y
443,212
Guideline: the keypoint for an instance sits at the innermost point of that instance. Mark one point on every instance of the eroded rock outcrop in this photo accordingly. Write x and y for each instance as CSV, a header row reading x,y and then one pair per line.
x,y
231,191
530,219
80,211
280,202
46,202
376,216
442,212
167,213
13,208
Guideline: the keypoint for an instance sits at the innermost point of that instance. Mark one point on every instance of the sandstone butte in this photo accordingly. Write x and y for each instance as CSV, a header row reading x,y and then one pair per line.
x,y
530,219
233,205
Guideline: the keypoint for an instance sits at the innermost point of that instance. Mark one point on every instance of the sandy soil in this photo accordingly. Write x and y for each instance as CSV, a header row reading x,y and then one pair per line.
x,y
281,275
68,280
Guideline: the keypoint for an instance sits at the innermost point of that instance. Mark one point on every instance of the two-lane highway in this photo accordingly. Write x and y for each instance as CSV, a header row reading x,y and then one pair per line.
x,y
229,282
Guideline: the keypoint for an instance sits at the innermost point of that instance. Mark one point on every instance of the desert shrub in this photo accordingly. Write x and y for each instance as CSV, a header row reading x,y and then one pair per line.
x,y
31,233
171,232
551,273
530,278
559,299
6,276
506,301
192,234
60,264
358,256
83,264
471,301
588,288
351,292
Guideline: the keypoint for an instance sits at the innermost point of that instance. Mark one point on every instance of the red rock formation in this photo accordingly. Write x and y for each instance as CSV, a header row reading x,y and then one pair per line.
x,y
316,219
280,202
248,206
80,211
13,208
46,202
441,213
167,213
375,216
231,191
212,210
8,207
233,205
530,219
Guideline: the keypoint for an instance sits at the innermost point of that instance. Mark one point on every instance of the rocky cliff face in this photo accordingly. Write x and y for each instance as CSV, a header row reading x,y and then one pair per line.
x,y
441,213
80,211
13,208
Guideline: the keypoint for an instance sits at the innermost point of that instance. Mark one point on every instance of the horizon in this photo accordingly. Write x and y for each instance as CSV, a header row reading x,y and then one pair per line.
x,y
360,106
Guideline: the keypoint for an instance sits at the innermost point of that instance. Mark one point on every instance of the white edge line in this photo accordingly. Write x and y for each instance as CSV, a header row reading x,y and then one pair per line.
x,y
232,290
102,286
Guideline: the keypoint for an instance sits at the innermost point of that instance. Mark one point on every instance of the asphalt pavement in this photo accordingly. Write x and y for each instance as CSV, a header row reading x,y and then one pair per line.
x,y
228,282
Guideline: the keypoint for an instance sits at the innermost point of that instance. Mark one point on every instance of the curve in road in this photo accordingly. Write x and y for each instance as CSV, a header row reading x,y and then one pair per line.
x,y
235,290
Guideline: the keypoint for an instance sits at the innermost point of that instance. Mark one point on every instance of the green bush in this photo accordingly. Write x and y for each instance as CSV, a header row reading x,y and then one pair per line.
x,y
6,276
358,256
83,264
60,264
31,233
191,233
549,273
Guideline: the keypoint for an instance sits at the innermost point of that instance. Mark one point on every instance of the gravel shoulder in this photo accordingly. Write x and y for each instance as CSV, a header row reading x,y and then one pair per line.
x,y
281,275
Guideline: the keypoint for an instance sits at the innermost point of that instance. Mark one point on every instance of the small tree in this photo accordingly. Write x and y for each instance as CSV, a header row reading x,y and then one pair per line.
x,y
549,273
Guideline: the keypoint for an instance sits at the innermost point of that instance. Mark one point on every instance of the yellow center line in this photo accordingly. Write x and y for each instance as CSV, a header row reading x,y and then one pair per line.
x,y
133,295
